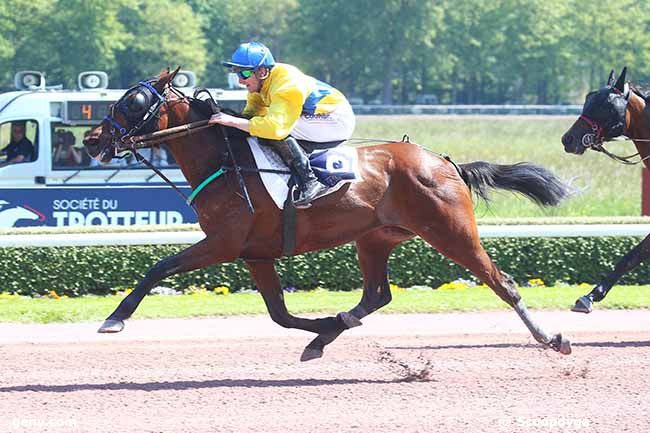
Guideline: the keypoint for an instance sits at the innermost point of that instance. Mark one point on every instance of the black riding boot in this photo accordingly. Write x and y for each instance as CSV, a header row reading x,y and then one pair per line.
x,y
296,158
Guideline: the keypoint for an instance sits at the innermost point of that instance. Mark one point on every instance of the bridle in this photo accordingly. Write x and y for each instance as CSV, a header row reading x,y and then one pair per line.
x,y
125,141
614,128
610,132
595,140
120,142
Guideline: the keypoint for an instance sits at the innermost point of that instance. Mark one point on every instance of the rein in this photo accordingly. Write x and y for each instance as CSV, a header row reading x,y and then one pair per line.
x,y
148,140
625,160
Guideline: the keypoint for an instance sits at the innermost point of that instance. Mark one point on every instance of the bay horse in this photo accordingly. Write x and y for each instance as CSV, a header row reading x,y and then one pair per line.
x,y
406,191
615,110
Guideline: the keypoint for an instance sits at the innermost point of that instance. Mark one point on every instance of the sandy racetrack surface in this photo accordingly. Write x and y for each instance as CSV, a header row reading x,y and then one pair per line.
x,y
478,372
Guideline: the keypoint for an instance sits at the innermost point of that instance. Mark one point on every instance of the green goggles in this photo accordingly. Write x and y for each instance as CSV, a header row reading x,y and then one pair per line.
x,y
245,74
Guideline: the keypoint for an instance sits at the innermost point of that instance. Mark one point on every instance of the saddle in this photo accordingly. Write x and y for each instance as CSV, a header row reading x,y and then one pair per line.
x,y
334,167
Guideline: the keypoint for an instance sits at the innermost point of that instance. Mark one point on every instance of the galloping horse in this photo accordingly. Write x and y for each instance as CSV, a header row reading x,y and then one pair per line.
x,y
406,191
615,110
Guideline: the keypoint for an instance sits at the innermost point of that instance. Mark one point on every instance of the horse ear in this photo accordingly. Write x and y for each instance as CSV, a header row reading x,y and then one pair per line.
x,y
173,74
620,84
166,77
611,79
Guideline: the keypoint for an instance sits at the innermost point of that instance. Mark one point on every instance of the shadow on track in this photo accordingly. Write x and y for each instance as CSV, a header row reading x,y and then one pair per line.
x,y
189,385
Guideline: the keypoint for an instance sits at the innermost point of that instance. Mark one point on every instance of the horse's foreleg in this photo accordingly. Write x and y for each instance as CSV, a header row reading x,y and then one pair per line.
x,y
199,255
269,285
631,260
373,251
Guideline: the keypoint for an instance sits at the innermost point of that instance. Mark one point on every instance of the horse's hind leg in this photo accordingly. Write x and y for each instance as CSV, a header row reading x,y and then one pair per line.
x,y
631,260
373,251
454,234
269,285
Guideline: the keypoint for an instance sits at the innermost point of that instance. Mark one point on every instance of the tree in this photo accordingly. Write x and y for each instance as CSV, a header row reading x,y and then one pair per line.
x,y
608,35
83,36
368,46
161,34
22,45
227,24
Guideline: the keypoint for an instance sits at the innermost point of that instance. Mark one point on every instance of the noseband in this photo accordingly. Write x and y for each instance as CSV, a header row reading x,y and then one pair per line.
x,y
595,140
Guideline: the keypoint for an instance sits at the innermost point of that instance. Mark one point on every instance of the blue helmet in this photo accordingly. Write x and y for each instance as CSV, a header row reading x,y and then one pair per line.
x,y
251,55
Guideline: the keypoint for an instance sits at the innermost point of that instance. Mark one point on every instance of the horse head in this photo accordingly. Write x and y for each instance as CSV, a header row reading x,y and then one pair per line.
x,y
142,109
603,116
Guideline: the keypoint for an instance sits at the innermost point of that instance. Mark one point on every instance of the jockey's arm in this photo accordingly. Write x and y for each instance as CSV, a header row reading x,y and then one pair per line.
x,y
280,119
275,124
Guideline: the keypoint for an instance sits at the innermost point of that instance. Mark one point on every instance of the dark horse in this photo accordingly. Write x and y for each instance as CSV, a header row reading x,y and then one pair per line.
x,y
615,110
406,191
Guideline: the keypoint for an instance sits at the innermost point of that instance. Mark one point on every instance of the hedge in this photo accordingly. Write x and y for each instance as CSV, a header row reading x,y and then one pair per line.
x,y
551,220
101,270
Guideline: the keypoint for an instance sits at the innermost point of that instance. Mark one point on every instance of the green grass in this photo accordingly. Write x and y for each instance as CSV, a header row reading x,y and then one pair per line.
x,y
607,188
28,310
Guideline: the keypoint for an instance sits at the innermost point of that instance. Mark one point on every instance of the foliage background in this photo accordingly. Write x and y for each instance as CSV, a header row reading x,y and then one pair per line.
x,y
391,51
102,270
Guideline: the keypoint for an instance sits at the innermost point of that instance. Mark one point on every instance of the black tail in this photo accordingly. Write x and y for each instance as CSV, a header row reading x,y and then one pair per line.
x,y
533,181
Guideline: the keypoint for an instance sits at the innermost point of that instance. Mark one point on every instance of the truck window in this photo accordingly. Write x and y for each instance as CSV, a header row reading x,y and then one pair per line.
x,y
18,142
68,152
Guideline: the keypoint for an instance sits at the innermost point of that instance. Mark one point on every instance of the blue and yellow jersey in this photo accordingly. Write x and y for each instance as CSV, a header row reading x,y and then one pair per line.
x,y
285,95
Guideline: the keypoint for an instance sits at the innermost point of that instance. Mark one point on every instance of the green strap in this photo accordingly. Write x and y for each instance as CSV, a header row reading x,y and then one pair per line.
x,y
199,188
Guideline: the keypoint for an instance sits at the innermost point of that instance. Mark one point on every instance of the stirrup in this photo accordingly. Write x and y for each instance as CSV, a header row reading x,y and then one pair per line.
x,y
303,200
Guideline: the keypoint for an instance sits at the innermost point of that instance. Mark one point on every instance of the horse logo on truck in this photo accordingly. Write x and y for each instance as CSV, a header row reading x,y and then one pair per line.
x,y
10,215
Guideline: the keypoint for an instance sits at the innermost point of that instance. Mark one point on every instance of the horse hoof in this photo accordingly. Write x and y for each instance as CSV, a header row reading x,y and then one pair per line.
x,y
583,305
350,320
565,347
561,344
308,354
111,326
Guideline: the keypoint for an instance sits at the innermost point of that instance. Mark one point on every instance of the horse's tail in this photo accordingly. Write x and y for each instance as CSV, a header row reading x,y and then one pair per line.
x,y
533,181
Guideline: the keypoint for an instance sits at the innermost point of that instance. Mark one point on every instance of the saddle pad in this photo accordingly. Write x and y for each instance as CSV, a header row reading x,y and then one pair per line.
x,y
334,168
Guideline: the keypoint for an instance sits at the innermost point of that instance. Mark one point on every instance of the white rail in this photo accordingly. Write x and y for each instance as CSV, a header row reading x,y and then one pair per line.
x,y
191,237
469,109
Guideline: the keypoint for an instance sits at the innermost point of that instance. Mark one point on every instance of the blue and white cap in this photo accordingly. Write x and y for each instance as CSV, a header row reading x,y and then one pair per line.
x,y
251,55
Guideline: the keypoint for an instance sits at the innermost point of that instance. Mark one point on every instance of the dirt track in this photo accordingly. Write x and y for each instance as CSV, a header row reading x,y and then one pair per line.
x,y
476,372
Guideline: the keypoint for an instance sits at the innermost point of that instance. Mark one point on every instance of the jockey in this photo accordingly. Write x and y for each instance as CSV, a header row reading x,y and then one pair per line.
x,y
285,105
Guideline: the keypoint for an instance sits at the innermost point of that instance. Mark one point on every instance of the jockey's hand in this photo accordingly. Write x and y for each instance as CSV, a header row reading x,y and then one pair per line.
x,y
228,120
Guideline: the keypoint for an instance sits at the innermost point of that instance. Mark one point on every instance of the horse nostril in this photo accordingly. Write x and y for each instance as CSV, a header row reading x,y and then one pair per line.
x,y
567,139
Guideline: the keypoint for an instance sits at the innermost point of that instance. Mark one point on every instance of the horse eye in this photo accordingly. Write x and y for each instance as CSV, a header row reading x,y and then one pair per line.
x,y
137,103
